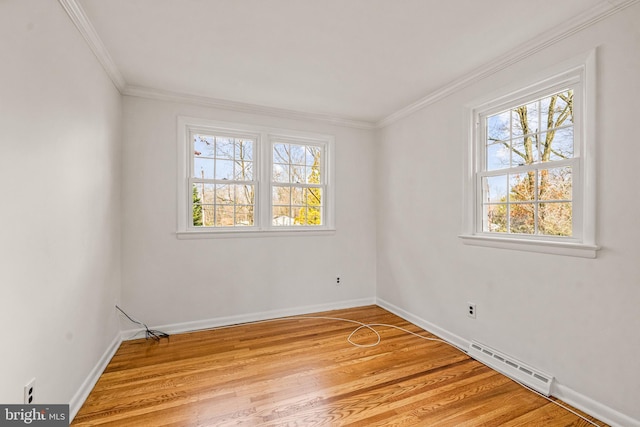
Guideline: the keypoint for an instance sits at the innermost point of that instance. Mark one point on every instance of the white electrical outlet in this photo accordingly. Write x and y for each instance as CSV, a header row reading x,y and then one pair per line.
x,y
338,281
29,391
471,310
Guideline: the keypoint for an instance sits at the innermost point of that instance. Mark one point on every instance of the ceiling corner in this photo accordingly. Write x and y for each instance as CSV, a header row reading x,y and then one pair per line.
x,y
82,23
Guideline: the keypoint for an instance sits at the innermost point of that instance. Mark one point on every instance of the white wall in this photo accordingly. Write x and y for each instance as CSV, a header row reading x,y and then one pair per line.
x,y
60,133
574,318
167,281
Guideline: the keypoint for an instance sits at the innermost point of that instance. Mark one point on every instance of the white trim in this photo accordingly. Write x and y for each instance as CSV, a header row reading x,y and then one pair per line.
x,y
453,339
523,51
595,408
84,26
562,392
262,164
239,232
184,98
579,73
567,29
540,246
87,385
217,322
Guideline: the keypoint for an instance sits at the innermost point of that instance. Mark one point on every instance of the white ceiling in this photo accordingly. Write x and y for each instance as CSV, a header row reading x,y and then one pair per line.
x,y
355,59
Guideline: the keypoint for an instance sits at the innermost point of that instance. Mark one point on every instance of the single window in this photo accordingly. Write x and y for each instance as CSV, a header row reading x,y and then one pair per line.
x,y
531,168
526,174
239,180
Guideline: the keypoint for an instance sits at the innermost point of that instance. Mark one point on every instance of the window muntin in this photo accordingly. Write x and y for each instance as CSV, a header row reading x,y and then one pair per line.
x,y
231,185
526,173
297,184
222,180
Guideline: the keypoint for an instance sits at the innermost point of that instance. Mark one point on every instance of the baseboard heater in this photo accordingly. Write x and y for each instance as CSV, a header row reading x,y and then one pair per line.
x,y
511,367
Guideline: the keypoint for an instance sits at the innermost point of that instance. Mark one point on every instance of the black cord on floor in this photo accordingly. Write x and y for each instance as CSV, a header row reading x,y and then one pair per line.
x,y
149,333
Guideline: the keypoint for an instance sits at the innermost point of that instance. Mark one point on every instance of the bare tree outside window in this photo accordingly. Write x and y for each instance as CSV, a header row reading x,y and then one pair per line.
x,y
223,187
297,185
528,143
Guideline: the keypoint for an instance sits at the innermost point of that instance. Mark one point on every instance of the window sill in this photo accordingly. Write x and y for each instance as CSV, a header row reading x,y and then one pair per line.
x,y
540,246
235,233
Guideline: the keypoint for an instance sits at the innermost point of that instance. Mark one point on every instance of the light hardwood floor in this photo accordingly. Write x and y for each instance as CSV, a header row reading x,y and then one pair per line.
x,y
303,372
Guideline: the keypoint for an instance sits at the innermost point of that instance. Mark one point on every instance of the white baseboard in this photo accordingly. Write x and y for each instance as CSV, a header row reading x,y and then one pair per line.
x,y
83,392
562,392
217,322
449,337
592,407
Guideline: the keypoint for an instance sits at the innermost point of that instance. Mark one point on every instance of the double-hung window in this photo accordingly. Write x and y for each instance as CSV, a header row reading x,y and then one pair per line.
x,y
298,183
531,169
222,179
242,180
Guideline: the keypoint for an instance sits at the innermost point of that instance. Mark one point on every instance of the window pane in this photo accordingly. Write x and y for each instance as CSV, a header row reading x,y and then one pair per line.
x,y
313,198
225,148
498,127
208,215
521,218
203,146
525,151
282,216
498,156
244,149
525,119
517,116
197,194
203,193
297,174
555,184
557,110
494,189
280,173
224,169
522,186
496,215
224,194
299,215
555,219
297,153
245,194
203,168
559,144
297,196
244,215
243,170
281,153
312,175
313,155
544,114
281,195
224,216
563,113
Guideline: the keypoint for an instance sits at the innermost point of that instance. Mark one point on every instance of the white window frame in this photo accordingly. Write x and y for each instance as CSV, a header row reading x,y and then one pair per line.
x,y
577,74
264,138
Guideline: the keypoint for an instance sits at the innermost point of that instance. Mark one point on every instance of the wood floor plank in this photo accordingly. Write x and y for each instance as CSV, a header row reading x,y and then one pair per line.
x,y
303,372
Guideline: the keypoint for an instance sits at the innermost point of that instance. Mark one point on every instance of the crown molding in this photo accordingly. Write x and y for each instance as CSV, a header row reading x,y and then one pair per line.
x,y
88,32
163,95
523,51
82,23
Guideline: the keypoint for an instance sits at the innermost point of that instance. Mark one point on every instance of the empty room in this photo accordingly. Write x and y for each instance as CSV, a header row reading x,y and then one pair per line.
x,y
340,212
